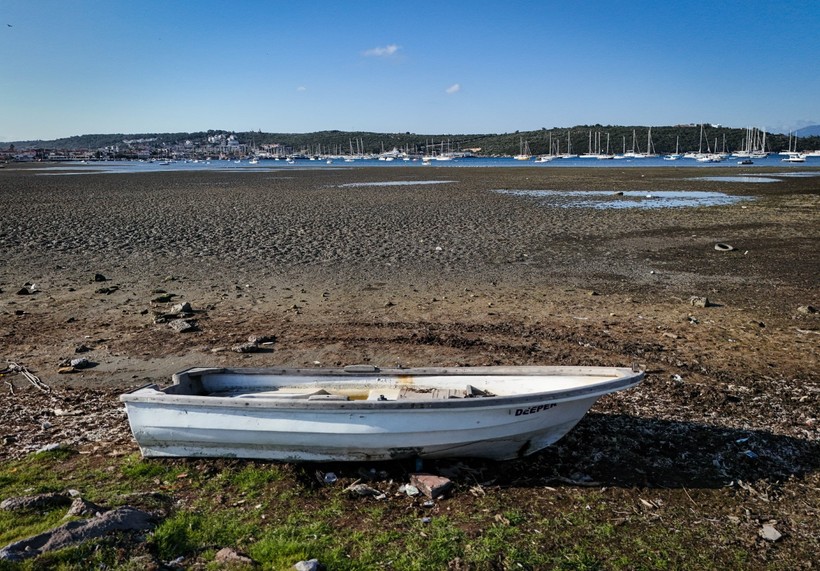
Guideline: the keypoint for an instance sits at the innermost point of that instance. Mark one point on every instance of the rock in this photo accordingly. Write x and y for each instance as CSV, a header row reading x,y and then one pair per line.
x,y
72,365
769,533
721,247
40,501
261,339
699,301
82,348
807,309
24,291
100,278
309,565
75,532
246,348
182,308
81,363
182,325
81,507
430,485
231,557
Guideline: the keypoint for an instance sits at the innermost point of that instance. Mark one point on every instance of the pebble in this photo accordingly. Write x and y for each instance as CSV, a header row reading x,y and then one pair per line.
x,y
430,485
769,532
308,565
699,301
182,325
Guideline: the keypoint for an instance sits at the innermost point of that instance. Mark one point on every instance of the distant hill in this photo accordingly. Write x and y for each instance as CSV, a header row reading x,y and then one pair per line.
x,y
810,131
615,138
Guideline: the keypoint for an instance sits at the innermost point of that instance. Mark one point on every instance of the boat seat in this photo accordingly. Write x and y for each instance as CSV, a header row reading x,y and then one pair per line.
x,y
328,397
285,393
410,393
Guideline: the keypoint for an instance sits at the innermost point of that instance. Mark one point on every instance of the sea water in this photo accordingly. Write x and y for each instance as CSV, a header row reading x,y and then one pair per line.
x,y
267,165
603,200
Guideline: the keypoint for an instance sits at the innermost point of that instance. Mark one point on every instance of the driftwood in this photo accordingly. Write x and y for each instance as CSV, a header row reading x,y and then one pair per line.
x,y
32,378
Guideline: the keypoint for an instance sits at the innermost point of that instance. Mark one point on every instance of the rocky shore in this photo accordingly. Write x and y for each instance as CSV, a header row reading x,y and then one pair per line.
x,y
436,267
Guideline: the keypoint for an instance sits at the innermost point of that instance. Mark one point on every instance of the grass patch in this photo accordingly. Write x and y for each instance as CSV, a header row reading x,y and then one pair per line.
x,y
279,516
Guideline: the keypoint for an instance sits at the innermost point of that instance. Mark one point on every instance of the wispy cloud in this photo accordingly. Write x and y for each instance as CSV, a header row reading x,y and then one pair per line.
x,y
301,88
386,51
455,88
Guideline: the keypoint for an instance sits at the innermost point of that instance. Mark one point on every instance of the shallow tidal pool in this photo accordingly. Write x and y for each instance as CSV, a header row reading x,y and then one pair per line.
x,y
628,198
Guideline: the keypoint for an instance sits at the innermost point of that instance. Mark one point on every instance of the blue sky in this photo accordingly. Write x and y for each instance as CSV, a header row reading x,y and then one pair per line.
x,y
73,67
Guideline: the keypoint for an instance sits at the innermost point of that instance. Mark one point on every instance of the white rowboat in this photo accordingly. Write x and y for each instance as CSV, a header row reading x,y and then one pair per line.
x,y
363,413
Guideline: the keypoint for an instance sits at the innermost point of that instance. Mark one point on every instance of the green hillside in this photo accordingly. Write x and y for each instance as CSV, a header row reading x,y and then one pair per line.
x,y
664,140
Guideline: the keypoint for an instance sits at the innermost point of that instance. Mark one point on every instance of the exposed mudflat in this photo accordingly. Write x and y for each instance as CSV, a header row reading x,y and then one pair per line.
x,y
342,268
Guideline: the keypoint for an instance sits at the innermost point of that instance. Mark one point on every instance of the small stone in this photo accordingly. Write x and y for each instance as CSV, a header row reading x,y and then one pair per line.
x,y
99,278
721,247
807,309
24,291
309,565
81,363
81,507
430,485
769,533
182,326
699,301
228,556
261,339
163,298
182,308
246,348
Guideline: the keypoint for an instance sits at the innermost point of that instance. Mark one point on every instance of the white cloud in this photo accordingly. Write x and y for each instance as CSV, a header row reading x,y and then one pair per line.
x,y
301,88
455,88
386,51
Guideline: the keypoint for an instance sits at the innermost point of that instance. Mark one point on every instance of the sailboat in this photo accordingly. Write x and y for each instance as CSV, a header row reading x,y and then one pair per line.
x,y
548,157
569,154
676,155
523,151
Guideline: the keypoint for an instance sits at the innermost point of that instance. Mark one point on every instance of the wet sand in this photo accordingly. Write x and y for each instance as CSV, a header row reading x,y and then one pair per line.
x,y
310,249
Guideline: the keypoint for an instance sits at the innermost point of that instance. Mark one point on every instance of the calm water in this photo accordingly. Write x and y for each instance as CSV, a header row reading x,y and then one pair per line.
x,y
604,200
269,164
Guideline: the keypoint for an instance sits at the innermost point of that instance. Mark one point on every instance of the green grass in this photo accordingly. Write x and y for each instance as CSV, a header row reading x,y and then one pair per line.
x,y
279,516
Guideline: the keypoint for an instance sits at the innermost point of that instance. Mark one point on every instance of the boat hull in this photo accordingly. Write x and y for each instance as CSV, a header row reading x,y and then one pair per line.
x,y
171,423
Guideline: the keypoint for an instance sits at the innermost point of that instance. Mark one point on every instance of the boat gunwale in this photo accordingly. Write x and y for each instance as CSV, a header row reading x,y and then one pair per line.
x,y
624,378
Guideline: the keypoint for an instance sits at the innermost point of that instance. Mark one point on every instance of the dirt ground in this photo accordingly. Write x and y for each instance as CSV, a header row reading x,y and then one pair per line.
x,y
443,270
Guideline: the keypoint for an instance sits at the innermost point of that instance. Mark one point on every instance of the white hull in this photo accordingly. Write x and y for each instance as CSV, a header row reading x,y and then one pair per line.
x,y
268,414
